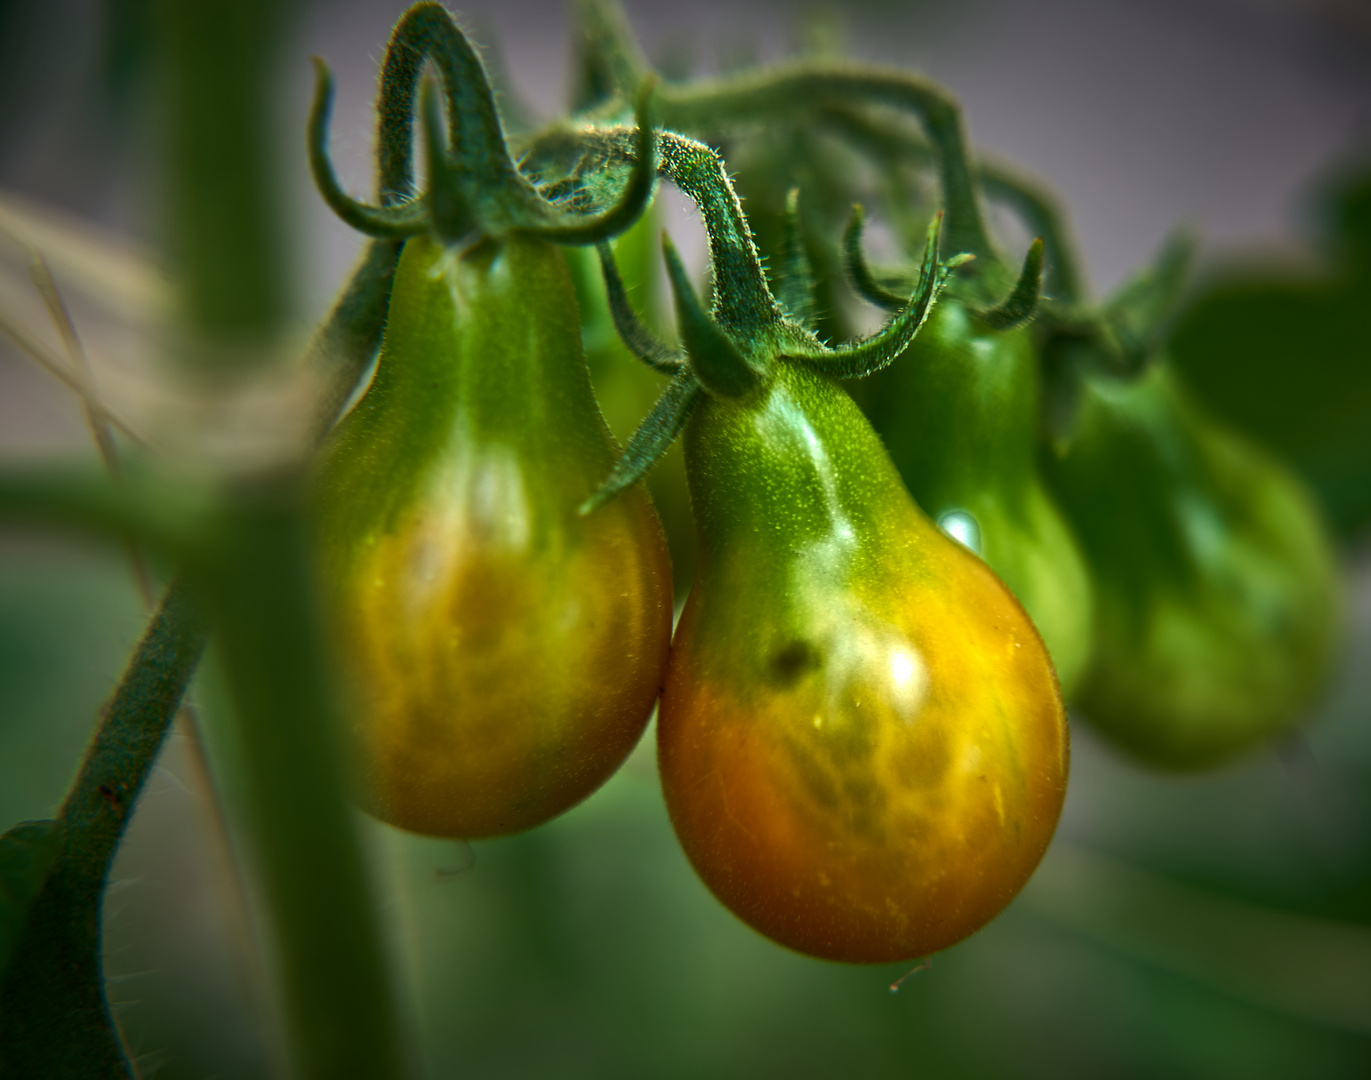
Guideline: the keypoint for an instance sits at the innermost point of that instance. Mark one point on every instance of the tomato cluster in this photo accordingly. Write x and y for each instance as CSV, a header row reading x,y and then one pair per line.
x,y
861,734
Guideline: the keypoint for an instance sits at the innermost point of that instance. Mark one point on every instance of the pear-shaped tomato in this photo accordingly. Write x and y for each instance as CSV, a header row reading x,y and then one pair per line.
x,y
959,415
501,653
861,740
1216,585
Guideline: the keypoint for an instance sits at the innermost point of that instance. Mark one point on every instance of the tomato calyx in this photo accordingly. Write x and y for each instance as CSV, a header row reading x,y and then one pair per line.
x,y
475,188
1120,340
730,350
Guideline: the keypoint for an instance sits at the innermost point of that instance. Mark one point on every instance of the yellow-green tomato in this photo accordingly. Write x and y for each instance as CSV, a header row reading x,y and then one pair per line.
x,y
500,653
862,743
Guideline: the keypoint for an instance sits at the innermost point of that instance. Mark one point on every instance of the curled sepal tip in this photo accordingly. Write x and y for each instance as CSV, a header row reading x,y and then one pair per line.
x,y
1022,302
652,439
637,192
389,223
858,272
866,357
636,337
714,359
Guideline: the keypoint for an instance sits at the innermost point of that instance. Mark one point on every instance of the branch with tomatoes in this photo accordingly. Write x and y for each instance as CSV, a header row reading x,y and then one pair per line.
x,y
907,553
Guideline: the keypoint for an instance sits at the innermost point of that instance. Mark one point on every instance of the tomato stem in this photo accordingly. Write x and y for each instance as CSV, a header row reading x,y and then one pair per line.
x,y
716,361
54,1018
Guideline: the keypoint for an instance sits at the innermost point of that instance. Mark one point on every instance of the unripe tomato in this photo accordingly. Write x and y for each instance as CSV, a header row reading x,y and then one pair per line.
x,y
959,415
861,740
501,653
1217,586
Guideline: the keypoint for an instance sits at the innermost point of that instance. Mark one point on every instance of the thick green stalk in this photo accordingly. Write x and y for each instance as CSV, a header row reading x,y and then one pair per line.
x,y
335,986
224,225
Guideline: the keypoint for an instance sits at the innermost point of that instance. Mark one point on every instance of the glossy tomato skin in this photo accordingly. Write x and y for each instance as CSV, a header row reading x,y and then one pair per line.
x,y
959,414
861,740
1217,583
501,653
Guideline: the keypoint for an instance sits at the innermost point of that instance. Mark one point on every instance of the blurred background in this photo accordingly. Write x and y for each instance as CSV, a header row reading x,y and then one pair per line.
x,y
1216,925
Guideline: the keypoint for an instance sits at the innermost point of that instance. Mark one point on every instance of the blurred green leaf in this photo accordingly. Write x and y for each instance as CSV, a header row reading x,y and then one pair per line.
x,y
151,511
1312,969
334,984
1285,356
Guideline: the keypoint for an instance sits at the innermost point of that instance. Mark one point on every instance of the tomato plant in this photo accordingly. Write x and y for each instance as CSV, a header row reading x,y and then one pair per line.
x,y
862,744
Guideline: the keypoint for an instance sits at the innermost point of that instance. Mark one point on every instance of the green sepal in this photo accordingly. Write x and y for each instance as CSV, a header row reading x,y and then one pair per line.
x,y
652,439
636,337
27,854
858,272
384,222
411,42
1039,208
866,357
716,361
450,211
795,280
346,342
474,182
1121,339
1022,302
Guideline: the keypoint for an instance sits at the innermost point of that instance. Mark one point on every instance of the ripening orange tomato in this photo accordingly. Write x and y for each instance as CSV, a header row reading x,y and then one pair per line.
x,y
862,744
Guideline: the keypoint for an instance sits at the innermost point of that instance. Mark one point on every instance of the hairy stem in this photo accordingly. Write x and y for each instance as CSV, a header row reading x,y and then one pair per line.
x,y
54,1020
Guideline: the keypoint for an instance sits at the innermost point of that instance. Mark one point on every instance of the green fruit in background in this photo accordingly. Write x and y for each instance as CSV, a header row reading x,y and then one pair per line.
x,y
1283,354
959,415
1216,587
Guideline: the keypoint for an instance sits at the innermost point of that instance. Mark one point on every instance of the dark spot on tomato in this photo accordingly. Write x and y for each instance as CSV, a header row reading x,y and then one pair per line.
x,y
793,660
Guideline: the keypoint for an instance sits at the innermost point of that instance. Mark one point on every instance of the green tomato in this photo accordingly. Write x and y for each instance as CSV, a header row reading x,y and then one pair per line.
x,y
500,652
1217,589
959,415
